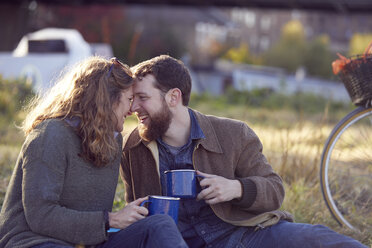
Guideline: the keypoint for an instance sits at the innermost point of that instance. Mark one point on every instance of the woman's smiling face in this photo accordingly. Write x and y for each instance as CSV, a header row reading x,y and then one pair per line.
x,y
122,108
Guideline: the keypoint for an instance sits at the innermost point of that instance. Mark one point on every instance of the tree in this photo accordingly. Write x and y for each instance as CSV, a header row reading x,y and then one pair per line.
x,y
359,43
288,52
293,51
239,55
318,58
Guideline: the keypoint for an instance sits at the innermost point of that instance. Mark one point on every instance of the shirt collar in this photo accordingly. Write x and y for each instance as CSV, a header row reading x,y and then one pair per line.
x,y
196,132
210,142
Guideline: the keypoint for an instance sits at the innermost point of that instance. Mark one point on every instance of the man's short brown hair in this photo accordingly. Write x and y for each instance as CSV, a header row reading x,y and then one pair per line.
x,y
169,73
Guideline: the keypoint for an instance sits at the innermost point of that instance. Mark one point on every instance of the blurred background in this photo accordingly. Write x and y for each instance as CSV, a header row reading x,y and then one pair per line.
x,y
274,41
266,62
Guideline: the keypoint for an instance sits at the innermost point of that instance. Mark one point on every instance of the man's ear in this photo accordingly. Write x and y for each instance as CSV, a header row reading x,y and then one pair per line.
x,y
174,96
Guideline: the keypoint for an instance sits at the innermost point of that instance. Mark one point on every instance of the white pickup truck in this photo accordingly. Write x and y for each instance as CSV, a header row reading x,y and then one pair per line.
x,y
41,56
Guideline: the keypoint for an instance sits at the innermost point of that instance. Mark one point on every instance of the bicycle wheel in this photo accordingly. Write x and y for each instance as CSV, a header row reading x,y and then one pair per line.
x,y
346,170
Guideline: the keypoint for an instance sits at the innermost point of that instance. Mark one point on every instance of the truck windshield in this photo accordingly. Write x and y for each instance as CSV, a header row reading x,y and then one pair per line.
x,y
47,46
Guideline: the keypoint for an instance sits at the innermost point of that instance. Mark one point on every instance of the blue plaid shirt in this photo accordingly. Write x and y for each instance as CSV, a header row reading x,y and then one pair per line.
x,y
197,222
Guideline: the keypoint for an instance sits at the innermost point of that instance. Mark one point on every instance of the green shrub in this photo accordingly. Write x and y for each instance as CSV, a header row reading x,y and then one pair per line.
x,y
14,94
300,103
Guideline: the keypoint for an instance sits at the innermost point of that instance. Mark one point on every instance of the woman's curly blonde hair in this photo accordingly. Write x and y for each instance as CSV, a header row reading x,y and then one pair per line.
x,y
88,92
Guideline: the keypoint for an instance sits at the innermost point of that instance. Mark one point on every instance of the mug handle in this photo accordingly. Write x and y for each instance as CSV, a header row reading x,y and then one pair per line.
x,y
143,203
202,177
112,230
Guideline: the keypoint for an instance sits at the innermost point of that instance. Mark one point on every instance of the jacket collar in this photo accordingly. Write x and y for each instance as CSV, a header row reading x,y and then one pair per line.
x,y
132,140
210,143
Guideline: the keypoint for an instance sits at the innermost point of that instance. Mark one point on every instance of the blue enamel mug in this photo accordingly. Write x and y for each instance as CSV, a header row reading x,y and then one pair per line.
x,y
182,183
157,204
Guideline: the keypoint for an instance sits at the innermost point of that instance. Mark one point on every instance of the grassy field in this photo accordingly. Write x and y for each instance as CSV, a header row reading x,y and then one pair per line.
x,y
293,140
292,131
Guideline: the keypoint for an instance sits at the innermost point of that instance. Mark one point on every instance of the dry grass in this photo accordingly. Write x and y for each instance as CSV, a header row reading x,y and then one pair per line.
x,y
295,154
293,145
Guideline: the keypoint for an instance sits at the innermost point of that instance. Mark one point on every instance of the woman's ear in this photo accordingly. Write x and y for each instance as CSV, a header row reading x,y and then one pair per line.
x,y
174,97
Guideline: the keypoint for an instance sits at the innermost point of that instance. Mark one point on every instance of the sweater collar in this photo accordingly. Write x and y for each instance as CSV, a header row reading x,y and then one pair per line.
x,y
75,121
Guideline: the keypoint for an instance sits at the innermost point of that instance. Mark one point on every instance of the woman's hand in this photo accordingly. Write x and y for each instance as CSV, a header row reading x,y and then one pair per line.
x,y
218,189
128,215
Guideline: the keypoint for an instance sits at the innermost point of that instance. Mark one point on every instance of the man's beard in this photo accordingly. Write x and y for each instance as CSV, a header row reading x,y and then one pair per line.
x,y
158,124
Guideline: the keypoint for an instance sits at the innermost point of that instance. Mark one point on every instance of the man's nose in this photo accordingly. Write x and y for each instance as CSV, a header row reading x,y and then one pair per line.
x,y
134,106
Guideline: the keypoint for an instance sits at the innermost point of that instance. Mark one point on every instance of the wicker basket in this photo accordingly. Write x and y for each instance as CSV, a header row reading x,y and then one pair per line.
x,y
357,78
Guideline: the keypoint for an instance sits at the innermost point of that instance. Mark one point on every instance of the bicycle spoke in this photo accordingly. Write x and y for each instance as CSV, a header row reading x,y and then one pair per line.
x,y
348,168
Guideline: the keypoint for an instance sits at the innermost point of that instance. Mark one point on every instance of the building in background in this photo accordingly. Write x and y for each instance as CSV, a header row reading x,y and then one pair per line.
x,y
200,31
198,35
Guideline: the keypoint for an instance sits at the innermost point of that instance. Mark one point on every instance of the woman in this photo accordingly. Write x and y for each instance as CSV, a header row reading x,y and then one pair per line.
x,y
64,182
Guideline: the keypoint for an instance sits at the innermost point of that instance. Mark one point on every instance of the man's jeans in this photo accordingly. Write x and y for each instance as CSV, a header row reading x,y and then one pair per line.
x,y
289,235
152,232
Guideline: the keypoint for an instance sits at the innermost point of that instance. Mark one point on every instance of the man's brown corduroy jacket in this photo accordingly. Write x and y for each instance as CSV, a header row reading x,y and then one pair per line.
x,y
232,150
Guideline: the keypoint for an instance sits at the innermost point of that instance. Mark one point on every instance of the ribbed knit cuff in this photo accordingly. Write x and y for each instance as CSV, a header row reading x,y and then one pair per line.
x,y
106,218
249,193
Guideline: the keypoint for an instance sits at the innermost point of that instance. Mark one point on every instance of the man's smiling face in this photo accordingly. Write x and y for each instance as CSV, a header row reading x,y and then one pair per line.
x,y
151,108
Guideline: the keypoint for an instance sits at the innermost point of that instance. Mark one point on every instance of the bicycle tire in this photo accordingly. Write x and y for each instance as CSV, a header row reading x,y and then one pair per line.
x,y
348,152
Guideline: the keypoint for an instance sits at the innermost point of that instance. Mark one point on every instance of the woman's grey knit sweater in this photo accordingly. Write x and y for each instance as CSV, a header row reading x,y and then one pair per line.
x,y
54,195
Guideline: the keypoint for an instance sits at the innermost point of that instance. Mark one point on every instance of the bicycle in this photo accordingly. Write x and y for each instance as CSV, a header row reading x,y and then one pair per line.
x,y
346,162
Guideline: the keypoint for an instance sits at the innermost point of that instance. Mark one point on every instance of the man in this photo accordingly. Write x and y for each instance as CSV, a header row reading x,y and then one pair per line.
x,y
240,194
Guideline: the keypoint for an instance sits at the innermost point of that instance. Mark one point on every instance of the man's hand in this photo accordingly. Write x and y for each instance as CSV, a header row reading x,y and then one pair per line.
x,y
218,189
128,215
